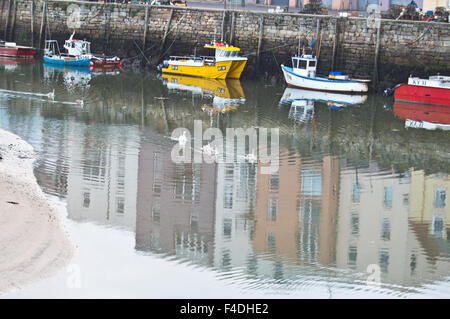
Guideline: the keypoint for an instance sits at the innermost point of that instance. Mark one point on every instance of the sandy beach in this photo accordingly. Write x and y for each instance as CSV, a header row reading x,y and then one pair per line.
x,y
33,243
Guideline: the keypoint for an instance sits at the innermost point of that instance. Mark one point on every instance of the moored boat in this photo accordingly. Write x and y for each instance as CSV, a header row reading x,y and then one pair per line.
x,y
225,52
11,49
78,53
435,90
205,67
302,74
53,55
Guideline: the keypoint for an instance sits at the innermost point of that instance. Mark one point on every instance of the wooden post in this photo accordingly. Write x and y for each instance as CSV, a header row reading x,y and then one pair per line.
x,y
166,31
145,27
222,36
44,11
32,22
106,18
375,62
7,20
317,29
232,28
335,40
2,10
13,21
260,38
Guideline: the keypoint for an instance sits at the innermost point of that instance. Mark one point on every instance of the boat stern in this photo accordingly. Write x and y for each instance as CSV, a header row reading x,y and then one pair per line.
x,y
237,67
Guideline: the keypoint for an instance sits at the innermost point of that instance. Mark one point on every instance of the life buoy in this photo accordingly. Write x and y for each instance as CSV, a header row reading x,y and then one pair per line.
x,y
219,44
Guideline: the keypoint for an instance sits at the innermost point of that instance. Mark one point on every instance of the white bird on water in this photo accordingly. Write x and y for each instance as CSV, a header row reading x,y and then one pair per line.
x,y
209,150
182,139
252,158
51,95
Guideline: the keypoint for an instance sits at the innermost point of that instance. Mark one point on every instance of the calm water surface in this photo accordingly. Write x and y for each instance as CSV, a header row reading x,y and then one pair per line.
x,y
357,193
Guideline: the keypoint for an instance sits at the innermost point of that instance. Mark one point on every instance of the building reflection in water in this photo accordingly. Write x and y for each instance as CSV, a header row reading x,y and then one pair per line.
x,y
320,211
175,205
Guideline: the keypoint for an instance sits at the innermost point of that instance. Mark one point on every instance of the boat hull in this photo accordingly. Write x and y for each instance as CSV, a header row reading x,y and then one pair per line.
x,y
105,63
217,71
322,84
237,67
18,52
70,61
423,94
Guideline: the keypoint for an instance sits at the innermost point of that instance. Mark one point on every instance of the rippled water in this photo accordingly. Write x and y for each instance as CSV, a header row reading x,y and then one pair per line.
x,y
357,193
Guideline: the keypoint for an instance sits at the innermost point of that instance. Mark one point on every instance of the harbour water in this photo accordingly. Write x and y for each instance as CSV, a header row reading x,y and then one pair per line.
x,y
358,208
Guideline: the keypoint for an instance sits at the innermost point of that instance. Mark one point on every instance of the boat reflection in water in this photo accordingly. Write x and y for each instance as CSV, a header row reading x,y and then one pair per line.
x,y
72,76
302,102
10,64
75,76
429,117
226,94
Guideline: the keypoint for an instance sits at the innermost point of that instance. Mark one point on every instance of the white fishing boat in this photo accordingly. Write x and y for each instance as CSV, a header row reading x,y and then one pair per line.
x,y
302,74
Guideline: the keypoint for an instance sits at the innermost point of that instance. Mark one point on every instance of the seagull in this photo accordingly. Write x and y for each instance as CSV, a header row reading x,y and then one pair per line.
x,y
51,95
251,157
209,150
182,139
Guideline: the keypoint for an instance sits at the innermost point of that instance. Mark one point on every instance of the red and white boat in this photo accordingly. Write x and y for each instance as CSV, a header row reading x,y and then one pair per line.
x,y
435,90
11,49
101,61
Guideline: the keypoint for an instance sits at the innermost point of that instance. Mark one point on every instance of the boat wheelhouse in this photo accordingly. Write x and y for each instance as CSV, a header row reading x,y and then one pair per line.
x,y
225,52
435,90
75,47
302,74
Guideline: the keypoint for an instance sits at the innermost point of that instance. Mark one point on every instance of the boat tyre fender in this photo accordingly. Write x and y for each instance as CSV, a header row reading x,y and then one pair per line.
x,y
389,91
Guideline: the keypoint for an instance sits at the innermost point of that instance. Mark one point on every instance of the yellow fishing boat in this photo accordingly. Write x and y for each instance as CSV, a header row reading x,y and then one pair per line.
x,y
225,64
225,52
205,67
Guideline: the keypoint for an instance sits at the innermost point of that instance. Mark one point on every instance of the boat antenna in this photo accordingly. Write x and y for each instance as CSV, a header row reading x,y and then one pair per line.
x,y
299,41
215,30
71,37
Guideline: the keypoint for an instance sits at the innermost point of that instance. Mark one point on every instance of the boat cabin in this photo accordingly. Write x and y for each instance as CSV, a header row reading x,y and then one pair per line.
x,y
77,47
51,48
224,51
304,65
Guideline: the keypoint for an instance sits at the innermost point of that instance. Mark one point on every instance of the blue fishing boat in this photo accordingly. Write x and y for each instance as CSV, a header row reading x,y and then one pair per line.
x,y
53,55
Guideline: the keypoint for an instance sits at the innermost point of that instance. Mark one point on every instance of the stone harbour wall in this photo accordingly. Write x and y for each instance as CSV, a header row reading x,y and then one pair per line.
x,y
345,44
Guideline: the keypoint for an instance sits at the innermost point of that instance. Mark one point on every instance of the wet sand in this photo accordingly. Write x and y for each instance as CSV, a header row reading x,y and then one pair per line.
x,y
33,243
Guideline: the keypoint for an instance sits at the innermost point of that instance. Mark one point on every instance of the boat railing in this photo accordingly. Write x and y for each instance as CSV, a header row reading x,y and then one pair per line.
x,y
194,58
